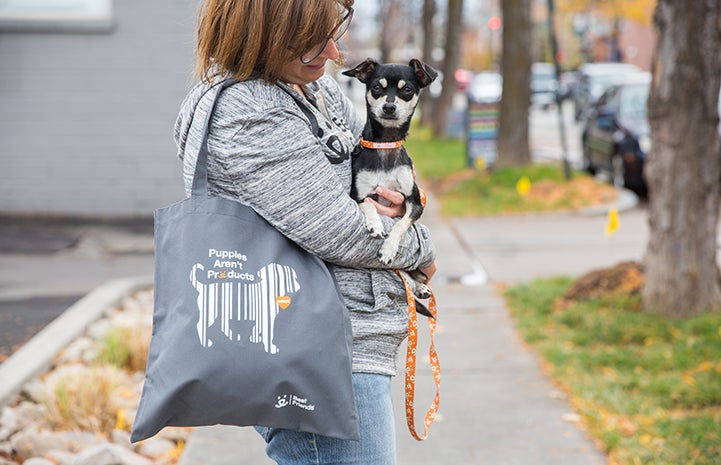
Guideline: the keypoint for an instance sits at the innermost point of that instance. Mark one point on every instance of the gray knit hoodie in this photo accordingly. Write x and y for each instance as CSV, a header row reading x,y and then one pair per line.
x,y
264,154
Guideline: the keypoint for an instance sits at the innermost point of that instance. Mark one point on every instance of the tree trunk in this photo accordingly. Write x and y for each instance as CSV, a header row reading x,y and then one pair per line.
x,y
454,28
513,143
394,30
683,169
426,101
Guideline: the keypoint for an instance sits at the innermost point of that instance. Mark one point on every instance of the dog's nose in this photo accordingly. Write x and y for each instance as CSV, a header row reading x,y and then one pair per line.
x,y
389,108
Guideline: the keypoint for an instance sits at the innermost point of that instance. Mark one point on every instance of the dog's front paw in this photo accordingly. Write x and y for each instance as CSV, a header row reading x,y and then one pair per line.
x,y
373,222
422,291
375,229
374,225
387,253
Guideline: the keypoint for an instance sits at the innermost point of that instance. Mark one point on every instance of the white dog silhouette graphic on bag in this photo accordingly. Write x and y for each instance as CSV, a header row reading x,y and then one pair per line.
x,y
232,303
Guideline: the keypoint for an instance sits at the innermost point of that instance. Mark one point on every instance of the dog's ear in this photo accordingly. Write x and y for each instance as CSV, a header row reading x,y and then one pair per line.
x,y
363,71
424,73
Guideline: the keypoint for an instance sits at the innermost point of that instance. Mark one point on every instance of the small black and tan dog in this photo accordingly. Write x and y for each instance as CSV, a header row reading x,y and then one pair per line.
x,y
392,92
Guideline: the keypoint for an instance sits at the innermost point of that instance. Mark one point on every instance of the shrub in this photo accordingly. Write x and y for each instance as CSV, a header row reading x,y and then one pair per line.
x,y
124,347
82,398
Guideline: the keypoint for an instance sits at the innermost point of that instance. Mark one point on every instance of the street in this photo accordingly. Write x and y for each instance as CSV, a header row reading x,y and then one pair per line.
x,y
545,134
45,266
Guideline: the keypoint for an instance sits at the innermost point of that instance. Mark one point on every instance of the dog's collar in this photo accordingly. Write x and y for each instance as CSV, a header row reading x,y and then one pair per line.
x,y
380,145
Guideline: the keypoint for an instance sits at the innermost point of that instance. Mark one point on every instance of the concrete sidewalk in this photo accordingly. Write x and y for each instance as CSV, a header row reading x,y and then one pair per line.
x,y
497,406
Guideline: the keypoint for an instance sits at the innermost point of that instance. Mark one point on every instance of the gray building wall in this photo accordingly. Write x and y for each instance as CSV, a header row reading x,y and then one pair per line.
x,y
86,120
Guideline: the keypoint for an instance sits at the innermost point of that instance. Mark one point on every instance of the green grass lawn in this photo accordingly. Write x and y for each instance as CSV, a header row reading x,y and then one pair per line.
x,y
648,388
435,159
442,166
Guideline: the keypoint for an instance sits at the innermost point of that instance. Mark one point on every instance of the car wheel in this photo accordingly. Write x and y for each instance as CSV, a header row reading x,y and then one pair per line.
x,y
586,163
618,171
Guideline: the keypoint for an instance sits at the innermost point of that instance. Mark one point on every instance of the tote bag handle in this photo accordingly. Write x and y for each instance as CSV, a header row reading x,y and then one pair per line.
x,y
200,176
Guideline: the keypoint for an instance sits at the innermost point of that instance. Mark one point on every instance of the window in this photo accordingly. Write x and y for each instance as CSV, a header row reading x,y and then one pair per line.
x,y
633,101
56,15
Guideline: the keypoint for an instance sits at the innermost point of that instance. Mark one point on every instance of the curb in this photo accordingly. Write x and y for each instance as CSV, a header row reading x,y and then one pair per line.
x,y
626,201
37,355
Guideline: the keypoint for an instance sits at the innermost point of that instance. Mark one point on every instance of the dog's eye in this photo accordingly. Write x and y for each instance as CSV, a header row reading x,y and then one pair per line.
x,y
407,90
376,87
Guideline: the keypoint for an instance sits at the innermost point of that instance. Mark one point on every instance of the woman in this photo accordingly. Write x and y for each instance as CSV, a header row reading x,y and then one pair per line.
x,y
265,154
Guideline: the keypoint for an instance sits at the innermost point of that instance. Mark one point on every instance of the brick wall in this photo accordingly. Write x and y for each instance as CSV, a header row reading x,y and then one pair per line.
x,y
86,120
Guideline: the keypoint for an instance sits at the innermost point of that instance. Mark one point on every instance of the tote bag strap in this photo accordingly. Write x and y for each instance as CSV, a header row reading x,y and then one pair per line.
x,y
200,176
306,111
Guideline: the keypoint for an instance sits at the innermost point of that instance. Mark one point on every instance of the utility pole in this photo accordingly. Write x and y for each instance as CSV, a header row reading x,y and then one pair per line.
x,y
557,65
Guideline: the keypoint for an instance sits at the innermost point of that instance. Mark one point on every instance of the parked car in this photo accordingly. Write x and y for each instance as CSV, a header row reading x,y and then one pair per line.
x,y
616,136
544,85
593,80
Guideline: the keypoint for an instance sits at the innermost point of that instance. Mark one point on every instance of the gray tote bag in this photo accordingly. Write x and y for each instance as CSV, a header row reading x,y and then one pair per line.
x,y
248,328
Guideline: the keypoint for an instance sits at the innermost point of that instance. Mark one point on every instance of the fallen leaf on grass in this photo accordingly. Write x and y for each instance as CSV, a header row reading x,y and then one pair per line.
x,y
571,417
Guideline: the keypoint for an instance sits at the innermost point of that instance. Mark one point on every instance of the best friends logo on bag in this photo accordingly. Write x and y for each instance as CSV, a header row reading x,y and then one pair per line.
x,y
229,297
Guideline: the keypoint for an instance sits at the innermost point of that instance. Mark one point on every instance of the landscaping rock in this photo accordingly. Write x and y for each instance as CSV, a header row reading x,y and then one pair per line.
x,y
6,450
121,438
175,434
99,329
61,457
9,423
78,440
38,461
81,350
34,442
30,414
156,448
110,454
36,391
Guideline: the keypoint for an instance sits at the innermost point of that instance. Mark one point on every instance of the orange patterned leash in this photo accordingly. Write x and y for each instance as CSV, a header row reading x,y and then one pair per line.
x,y
411,363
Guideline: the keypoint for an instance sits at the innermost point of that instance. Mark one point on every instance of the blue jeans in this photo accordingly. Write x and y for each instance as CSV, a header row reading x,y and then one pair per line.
x,y
377,445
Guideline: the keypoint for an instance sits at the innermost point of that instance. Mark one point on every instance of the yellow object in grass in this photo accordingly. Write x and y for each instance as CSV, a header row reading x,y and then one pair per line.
x,y
523,186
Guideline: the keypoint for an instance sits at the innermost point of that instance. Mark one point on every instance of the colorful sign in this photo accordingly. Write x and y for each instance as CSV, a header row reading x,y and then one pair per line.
x,y
482,133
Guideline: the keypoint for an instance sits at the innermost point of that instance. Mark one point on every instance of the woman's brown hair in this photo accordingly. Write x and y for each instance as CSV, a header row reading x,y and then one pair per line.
x,y
259,37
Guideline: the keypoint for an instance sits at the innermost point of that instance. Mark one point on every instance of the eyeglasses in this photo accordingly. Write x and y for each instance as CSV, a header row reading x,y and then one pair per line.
x,y
335,35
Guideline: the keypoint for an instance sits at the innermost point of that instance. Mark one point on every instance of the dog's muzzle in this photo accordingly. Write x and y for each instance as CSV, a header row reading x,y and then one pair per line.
x,y
389,109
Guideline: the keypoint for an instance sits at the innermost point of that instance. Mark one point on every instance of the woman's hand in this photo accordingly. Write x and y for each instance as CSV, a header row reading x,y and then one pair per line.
x,y
429,271
397,207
